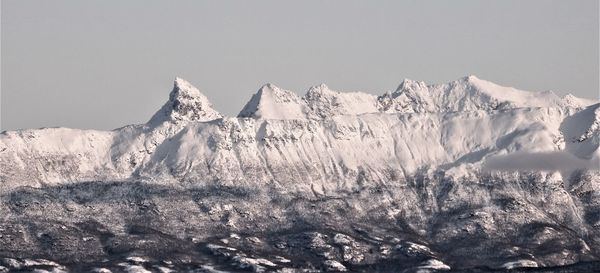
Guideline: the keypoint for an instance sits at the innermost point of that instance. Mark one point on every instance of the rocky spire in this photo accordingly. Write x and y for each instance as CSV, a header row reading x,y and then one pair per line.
x,y
185,104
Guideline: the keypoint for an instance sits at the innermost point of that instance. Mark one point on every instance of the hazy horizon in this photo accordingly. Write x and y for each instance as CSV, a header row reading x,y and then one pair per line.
x,y
105,64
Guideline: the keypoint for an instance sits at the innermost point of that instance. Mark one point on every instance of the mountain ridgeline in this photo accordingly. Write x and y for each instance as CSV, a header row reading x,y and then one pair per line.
x,y
462,175
321,137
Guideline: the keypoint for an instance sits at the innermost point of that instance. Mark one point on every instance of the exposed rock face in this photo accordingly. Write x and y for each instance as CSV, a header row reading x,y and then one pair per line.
x,y
185,104
342,181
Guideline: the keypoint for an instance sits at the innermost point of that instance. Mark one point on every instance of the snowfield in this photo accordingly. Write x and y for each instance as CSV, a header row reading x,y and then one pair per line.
x,y
463,175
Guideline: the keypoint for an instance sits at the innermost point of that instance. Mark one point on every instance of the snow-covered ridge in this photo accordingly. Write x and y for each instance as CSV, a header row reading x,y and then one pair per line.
x,y
465,94
330,140
471,93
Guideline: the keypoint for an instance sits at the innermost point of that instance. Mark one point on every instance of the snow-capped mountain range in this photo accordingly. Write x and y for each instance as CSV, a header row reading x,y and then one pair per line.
x,y
324,136
464,175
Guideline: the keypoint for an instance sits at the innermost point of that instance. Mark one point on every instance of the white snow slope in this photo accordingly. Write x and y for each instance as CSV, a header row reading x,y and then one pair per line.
x,y
324,142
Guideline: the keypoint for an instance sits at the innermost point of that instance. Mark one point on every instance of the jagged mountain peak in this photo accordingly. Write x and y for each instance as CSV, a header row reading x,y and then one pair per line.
x,y
410,96
324,102
471,78
268,87
469,83
181,85
319,91
186,103
322,87
408,84
274,91
272,102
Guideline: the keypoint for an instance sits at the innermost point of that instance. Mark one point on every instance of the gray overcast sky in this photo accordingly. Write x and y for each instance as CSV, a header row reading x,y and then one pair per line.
x,y
104,64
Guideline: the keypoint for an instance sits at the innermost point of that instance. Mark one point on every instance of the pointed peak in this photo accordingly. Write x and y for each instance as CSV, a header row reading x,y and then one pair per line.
x,y
472,81
318,90
183,89
272,102
411,96
408,81
408,84
186,103
321,86
182,86
181,83
469,79
272,90
268,86
275,92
